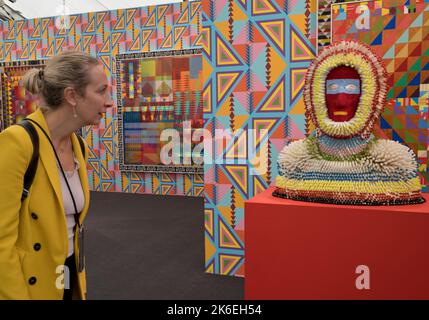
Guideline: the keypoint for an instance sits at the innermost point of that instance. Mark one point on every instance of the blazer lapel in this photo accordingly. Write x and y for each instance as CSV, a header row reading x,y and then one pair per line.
x,y
47,155
82,174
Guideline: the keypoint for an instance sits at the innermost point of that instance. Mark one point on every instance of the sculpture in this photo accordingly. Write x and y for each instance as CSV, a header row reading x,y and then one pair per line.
x,y
343,162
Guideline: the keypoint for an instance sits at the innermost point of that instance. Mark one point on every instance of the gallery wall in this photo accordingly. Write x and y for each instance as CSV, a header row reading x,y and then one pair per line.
x,y
256,54
105,35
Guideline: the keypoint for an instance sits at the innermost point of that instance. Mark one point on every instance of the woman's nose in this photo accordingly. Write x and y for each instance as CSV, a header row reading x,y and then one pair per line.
x,y
109,102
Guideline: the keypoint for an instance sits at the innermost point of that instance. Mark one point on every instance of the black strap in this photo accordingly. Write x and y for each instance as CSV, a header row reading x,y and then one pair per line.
x,y
62,170
82,145
32,167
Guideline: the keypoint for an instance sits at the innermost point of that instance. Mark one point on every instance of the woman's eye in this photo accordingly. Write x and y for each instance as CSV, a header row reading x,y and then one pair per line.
x,y
351,87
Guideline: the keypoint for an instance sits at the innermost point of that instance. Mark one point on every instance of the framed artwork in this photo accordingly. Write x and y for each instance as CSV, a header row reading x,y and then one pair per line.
x,y
16,101
398,31
159,110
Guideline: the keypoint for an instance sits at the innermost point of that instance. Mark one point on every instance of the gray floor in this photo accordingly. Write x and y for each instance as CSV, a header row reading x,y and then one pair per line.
x,y
150,247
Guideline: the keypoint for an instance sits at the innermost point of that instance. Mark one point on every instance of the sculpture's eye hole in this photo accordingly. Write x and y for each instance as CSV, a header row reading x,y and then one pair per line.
x,y
333,86
351,87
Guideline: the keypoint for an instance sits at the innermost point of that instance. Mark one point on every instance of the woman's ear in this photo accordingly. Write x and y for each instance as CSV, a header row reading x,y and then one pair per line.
x,y
71,96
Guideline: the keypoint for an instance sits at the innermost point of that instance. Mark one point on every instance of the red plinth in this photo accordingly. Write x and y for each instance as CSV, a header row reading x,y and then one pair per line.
x,y
301,250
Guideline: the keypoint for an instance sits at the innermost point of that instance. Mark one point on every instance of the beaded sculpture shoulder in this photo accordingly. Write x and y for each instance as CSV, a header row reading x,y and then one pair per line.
x,y
343,163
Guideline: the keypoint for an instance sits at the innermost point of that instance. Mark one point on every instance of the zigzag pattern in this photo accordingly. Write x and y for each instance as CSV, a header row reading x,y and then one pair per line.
x,y
256,53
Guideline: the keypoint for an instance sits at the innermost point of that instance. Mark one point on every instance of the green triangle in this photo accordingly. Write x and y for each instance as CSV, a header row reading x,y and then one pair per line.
x,y
276,102
226,263
398,125
225,239
367,38
387,112
378,26
417,65
402,82
409,138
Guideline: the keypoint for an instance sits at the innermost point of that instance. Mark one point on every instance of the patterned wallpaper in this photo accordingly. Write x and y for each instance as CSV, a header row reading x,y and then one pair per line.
x,y
105,35
256,53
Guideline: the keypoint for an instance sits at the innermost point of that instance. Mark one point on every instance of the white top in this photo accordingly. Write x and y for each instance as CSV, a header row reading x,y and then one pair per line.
x,y
77,190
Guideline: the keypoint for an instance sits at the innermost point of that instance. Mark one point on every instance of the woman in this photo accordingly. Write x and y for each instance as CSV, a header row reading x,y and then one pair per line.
x,y
40,234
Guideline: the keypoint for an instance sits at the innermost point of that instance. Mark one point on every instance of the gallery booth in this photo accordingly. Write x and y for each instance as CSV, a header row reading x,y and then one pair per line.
x,y
236,102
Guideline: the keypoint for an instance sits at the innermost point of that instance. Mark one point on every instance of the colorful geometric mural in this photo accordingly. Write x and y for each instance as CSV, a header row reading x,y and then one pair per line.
x,y
161,110
16,102
255,54
105,35
399,32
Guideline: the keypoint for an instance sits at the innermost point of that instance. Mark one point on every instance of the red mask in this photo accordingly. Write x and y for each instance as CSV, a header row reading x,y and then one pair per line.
x,y
343,91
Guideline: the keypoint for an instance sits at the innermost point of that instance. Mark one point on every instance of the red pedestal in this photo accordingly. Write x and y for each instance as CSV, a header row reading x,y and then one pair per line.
x,y
301,250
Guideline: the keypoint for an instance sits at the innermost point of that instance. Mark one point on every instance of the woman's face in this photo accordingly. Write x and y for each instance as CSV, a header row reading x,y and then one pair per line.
x,y
343,91
93,105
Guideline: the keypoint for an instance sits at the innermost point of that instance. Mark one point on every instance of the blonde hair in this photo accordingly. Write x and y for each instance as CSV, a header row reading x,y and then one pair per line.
x,y
68,69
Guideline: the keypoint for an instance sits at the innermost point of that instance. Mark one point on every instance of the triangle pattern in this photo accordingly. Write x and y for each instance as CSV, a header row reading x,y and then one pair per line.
x,y
260,7
238,174
297,77
264,125
178,31
168,42
130,15
225,54
195,6
299,50
36,32
209,221
228,263
151,21
136,46
106,61
275,31
204,40
227,240
238,149
184,18
225,81
86,40
120,25
275,99
162,9
91,26
106,46
145,36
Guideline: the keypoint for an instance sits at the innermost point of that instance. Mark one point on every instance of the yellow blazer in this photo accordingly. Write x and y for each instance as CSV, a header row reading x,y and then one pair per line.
x,y
40,219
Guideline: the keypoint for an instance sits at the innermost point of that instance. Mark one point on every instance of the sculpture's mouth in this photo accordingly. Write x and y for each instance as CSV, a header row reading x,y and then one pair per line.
x,y
340,113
